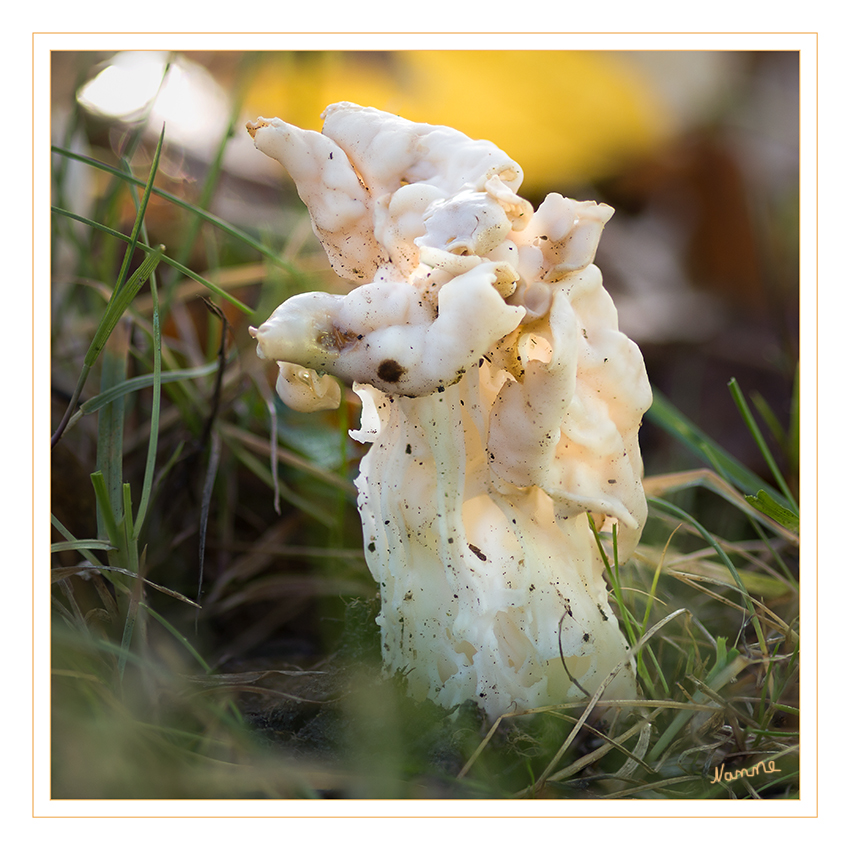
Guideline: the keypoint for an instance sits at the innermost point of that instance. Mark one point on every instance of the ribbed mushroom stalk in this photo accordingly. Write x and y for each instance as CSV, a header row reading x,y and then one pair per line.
x,y
501,402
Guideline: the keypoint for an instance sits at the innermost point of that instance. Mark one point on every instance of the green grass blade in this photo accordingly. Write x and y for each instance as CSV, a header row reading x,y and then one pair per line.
x,y
128,538
754,429
153,439
222,225
110,420
179,637
728,665
769,417
85,552
669,508
81,545
140,213
186,272
666,416
763,502
142,382
627,618
119,304
110,521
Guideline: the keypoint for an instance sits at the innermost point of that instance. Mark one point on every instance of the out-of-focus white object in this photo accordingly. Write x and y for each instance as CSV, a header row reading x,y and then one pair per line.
x,y
177,91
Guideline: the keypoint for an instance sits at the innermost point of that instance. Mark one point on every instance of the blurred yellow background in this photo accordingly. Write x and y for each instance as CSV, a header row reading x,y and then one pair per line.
x,y
562,115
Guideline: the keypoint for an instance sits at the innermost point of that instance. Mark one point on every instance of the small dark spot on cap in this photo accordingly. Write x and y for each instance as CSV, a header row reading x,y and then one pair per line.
x,y
391,371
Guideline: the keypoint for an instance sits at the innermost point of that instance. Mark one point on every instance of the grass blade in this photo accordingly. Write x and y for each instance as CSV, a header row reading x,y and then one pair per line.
x,y
186,272
110,521
153,439
110,420
669,508
222,225
140,213
754,429
142,382
137,586
81,545
85,552
119,303
666,416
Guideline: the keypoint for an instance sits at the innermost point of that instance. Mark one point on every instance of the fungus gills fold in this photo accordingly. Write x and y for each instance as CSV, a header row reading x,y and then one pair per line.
x,y
501,402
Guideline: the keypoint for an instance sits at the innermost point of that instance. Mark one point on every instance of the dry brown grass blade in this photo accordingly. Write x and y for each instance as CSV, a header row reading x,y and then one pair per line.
x,y
767,616
286,588
595,702
598,695
260,446
258,558
641,728
247,678
265,692
651,786
657,485
58,574
698,562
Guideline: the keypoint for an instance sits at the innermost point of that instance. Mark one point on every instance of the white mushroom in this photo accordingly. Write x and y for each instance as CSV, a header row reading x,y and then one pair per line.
x,y
501,402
